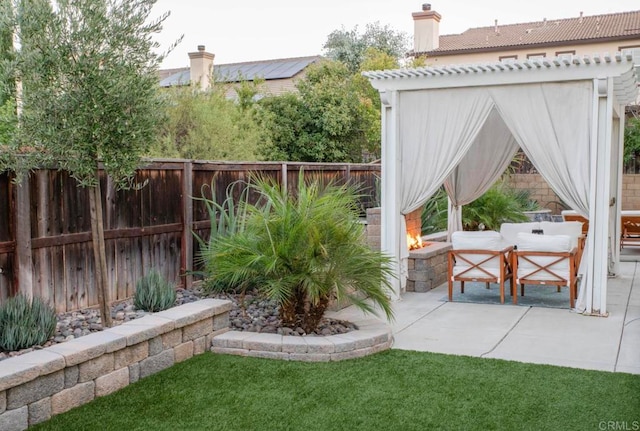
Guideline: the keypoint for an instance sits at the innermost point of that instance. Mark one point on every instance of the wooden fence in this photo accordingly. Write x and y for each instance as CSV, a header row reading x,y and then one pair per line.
x,y
45,227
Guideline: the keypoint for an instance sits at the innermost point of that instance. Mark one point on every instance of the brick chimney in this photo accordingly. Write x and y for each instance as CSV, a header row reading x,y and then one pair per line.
x,y
426,29
201,68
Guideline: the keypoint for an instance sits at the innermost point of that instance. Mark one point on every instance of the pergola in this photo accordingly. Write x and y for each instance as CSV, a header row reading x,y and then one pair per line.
x,y
460,125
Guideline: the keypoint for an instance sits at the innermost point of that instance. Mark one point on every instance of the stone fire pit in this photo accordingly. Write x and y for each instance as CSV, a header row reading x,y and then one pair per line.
x,y
428,266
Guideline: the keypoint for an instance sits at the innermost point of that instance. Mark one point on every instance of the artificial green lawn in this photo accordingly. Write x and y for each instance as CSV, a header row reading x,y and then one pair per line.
x,y
393,390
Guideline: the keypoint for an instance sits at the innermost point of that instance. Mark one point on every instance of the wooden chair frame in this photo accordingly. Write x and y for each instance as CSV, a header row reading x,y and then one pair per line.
x,y
630,226
557,280
504,257
577,217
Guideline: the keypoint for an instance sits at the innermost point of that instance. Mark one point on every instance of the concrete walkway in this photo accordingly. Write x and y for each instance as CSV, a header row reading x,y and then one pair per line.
x,y
424,322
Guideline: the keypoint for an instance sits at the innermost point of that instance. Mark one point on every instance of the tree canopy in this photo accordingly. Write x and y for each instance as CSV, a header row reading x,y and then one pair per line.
x,y
208,126
350,46
89,73
326,121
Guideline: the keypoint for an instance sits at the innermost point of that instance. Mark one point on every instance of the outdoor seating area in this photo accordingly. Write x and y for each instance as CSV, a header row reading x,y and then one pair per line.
x,y
629,226
630,229
536,254
427,322
496,109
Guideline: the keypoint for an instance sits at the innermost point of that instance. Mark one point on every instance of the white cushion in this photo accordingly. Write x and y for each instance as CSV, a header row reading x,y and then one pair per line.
x,y
548,243
477,240
509,231
571,228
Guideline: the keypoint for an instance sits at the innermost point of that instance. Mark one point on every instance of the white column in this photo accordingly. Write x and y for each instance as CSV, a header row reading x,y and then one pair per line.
x,y
390,171
617,154
596,287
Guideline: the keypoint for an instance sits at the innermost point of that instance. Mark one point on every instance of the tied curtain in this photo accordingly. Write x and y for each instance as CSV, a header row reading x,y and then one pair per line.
x,y
550,122
486,160
437,128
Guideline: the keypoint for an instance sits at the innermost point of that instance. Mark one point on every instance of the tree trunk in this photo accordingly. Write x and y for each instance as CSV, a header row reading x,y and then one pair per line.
x,y
314,314
291,310
299,311
99,253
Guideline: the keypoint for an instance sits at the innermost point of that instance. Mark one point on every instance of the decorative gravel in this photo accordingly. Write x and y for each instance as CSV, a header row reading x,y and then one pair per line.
x,y
251,313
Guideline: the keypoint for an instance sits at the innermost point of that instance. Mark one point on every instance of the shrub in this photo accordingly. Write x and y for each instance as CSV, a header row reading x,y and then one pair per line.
x,y
25,323
498,205
301,251
226,218
154,293
435,213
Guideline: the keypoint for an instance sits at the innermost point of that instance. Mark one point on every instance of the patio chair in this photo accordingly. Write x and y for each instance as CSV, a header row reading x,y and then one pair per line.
x,y
545,260
479,256
630,227
575,230
571,215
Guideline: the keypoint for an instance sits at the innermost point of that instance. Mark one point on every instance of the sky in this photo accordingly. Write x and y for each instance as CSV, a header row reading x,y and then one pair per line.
x,y
249,30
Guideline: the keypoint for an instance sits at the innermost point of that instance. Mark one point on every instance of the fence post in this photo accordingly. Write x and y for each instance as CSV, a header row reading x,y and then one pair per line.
x,y
24,271
284,177
187,221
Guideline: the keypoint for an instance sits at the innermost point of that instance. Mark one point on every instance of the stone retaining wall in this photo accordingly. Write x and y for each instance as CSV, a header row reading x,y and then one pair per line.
x,y
43,383
371,337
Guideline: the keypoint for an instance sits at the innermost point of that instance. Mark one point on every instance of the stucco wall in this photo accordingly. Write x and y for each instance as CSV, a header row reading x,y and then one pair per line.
x,y
550,51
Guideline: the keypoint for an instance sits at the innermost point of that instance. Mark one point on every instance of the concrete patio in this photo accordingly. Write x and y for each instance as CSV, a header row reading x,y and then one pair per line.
x,y
425,322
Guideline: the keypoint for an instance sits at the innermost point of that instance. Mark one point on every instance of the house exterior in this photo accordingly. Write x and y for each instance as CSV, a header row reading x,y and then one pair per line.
x,y
279,75
566,37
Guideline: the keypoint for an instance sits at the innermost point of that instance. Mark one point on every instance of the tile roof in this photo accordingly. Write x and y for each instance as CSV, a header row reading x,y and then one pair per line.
x,y
616,26
282,68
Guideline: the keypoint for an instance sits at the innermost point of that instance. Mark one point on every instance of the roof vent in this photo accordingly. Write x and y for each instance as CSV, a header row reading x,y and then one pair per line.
x,y
426,6
580,21
200,47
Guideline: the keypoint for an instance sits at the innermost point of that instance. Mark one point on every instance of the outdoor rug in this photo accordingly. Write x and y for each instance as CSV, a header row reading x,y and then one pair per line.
x,y
535,295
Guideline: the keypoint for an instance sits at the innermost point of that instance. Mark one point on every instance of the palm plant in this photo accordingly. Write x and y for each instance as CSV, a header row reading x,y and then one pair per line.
x,y
301,251
498,205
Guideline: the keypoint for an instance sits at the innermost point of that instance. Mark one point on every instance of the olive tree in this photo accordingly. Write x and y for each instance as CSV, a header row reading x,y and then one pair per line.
x,y
90,93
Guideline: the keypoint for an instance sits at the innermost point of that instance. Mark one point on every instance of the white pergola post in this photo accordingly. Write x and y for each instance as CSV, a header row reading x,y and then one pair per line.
x,y
616,228
391,183
596,277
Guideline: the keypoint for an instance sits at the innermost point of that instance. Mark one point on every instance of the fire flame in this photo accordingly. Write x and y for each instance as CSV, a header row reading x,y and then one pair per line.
x,y
414,242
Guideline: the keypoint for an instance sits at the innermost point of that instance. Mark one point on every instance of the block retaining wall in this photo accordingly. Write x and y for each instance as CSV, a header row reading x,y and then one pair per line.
x,y
371,337
43,383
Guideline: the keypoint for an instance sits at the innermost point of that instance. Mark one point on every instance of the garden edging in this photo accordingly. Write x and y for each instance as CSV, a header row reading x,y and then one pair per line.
x,y
43,383
371,337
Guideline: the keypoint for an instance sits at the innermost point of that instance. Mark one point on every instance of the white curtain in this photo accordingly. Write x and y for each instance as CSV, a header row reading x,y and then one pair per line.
x,y
487,159
552,124
437,128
